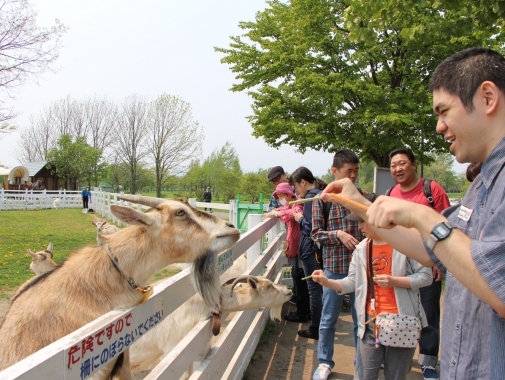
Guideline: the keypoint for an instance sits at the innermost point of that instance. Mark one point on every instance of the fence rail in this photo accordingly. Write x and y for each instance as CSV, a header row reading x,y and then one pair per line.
x,y
38,199
227,358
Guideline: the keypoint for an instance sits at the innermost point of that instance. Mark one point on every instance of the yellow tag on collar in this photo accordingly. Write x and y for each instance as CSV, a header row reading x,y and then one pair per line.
x,y
146,293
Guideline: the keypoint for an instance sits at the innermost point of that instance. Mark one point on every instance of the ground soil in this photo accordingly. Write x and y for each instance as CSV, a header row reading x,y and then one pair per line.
x,y
285,355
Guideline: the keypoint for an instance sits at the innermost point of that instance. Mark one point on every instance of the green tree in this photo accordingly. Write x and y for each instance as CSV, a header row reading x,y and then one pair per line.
x,y
314,87
74,160
222,163
364,19
252,184
440,170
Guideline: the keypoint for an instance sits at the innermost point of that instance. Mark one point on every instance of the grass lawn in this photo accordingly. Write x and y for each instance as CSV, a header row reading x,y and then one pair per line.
x,y
67,229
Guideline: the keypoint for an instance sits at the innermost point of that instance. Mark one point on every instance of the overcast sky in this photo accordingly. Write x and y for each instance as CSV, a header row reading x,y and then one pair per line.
x,y
118,48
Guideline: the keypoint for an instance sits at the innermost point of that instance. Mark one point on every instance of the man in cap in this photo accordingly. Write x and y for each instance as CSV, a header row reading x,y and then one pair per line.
x,y
276,176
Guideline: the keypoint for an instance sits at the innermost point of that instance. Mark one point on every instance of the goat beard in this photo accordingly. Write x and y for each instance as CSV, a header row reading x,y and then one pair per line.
x,y
206,280
275,313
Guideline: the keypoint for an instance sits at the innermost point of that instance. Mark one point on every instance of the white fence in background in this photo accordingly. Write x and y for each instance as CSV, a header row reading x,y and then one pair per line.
x,y
227,358
38,199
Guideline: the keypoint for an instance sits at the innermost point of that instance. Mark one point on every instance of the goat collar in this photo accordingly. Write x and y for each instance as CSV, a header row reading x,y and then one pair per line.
x,y
145,292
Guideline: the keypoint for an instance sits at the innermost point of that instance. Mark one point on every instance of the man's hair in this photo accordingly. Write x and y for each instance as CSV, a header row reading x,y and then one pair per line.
x,y
344,156
405,151
462,73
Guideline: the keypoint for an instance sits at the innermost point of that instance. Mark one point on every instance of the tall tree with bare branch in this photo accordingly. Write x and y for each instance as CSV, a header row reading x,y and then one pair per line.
x,y
174,138
130,145
26,50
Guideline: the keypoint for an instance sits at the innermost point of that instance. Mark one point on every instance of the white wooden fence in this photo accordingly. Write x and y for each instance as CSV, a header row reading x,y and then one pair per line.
x,y
38,199
85,351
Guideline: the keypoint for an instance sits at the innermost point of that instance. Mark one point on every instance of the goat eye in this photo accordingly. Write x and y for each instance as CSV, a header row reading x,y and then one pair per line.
x,y
180,212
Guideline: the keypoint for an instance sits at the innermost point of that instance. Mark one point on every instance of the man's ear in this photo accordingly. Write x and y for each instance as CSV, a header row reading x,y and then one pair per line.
x,y
333,170
489,95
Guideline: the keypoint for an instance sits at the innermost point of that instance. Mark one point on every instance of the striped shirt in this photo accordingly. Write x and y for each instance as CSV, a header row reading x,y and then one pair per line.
x,y
336,256
473,335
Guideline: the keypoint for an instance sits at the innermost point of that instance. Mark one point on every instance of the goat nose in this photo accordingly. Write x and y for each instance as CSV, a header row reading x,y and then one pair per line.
x,y
230,225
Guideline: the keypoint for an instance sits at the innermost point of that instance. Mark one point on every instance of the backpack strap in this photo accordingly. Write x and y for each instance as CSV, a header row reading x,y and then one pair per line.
x,y
326,213
388,191
427,191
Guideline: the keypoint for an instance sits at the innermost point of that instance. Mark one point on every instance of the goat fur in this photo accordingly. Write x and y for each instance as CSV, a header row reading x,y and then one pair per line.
x,y
147,352
86,285
102,228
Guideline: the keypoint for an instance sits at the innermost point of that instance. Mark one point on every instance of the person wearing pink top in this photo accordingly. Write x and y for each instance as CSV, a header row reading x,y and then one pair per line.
x,y
285,194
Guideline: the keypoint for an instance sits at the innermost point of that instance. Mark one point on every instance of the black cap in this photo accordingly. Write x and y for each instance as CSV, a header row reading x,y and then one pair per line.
x,y
275,173
356,218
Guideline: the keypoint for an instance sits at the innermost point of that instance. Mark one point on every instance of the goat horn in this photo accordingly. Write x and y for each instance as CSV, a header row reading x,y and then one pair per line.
x,y
146,201
243,278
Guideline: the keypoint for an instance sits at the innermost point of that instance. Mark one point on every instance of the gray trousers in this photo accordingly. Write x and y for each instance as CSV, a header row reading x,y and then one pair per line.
x,y
397,361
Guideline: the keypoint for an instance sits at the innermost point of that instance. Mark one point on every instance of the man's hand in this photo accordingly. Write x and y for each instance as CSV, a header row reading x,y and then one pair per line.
x,y
384,281
348,240
347,189
437,275
298,215
387,212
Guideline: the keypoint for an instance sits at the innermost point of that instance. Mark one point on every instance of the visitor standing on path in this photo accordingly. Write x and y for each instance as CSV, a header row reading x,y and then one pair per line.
x,y
86,197
207,197
403,168
338,237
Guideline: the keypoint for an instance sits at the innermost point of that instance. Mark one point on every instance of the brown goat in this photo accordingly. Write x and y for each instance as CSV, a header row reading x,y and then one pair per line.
x,y
93,280
42,261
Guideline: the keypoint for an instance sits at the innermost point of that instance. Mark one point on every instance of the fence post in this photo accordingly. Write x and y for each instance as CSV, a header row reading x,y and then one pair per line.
x,y
192,202
2,198
232,212
255,250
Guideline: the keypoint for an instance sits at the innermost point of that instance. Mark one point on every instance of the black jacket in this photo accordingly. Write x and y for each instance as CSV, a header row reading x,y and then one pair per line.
x,y
306,244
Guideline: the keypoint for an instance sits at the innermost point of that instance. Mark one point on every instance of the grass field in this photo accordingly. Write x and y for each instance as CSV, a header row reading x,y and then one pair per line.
x,y
67,229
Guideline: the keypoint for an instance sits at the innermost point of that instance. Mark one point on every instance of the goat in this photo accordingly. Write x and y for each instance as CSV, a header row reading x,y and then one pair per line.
x,y
93,280
42,261
244,293
56,203
101,230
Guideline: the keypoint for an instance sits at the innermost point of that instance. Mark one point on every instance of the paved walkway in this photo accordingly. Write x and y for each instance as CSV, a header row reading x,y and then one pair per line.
x,y
287,356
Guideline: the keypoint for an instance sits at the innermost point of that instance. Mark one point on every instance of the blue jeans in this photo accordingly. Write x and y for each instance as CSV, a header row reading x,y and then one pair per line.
x,y
430,337
332,302
315,290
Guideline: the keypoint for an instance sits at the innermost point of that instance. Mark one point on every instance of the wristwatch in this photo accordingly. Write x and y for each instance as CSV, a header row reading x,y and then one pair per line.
x,y
440,232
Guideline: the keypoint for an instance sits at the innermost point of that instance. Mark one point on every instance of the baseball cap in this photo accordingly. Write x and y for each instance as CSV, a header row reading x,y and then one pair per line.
x,y
275,173
356,218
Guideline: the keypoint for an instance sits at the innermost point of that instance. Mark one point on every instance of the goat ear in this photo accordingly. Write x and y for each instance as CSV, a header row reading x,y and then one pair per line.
x,y
93,223
130,216
50,248
253,284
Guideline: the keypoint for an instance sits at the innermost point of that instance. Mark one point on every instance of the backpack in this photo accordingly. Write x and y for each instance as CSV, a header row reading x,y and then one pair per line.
x,y
426,191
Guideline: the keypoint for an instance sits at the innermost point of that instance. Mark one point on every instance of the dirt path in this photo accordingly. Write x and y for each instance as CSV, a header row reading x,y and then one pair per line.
x,y
287,356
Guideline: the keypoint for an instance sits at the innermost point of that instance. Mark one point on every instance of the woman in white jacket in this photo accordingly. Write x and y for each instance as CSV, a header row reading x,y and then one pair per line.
x,y
397,280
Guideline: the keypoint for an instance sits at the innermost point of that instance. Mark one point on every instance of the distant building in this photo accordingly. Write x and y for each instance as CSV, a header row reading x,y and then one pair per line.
x,y
17,178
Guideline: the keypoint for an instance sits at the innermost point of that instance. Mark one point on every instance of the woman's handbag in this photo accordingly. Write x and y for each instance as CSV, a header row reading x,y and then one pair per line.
x,y
392,330
286,250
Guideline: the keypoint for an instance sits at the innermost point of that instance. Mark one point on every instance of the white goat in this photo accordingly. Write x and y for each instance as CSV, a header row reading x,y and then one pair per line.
x,y
56,203
42,261
102,228
255,293
93,280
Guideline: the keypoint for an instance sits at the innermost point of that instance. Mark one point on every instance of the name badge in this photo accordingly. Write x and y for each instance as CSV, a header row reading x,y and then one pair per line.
x,y
465,213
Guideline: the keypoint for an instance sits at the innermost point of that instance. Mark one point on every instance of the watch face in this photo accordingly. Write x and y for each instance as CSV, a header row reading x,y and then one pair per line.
x,y
441,231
